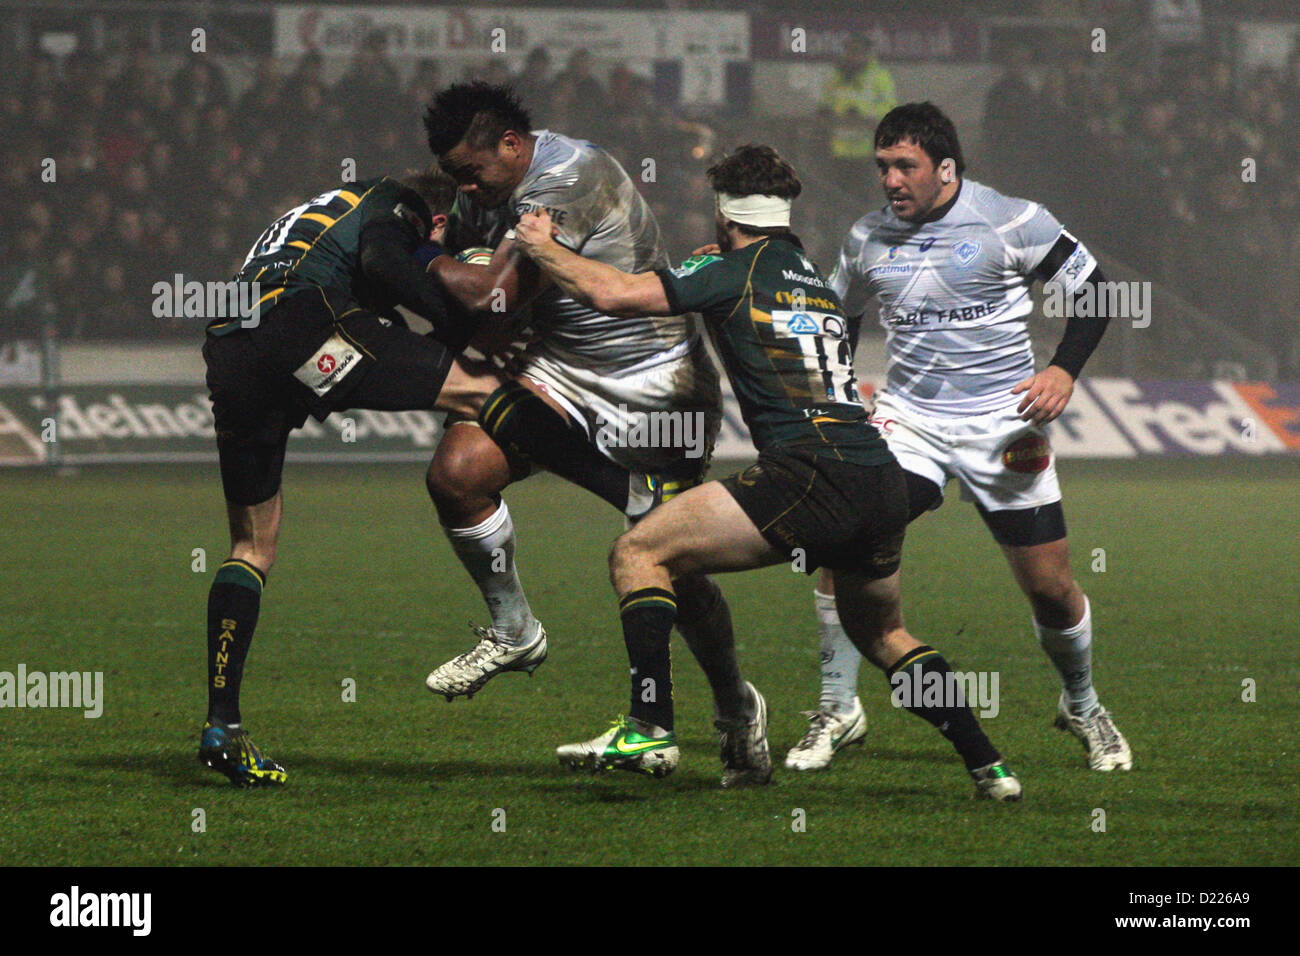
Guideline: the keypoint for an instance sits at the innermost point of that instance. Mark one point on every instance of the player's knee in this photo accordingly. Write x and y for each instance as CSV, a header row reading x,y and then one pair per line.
x,y
1052,596
459,471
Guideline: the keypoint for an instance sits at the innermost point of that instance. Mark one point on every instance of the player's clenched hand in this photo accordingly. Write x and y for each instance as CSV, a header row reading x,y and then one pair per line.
x,y
534,230
1046,395
712,249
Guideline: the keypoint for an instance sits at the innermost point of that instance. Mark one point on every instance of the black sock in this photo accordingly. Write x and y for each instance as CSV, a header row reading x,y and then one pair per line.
x,y
517,419
704,620
233,603
648,615
909,680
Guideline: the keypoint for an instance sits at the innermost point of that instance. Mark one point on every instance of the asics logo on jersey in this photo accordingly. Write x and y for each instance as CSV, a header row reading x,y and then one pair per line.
x,y
926,244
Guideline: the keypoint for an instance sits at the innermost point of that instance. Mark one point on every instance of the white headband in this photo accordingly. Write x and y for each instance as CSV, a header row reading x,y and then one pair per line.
x,y
762,212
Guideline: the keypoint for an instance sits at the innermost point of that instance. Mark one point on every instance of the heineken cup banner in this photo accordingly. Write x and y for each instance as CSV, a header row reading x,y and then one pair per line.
x,y
1107,418
173,423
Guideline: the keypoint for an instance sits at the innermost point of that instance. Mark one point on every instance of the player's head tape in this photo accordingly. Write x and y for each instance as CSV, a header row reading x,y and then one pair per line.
x,y
762,212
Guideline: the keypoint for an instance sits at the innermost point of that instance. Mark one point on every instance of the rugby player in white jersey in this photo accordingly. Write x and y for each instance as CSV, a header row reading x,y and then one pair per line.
x,y
602,374
951,263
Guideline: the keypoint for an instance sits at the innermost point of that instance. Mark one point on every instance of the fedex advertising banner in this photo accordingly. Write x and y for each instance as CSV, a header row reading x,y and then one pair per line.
x,y
1107,418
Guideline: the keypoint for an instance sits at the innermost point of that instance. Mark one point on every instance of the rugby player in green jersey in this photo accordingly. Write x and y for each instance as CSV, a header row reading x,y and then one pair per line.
x,y
825,491
325,336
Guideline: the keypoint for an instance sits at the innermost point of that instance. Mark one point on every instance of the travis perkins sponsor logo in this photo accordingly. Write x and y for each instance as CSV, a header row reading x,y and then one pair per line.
x,y
76,909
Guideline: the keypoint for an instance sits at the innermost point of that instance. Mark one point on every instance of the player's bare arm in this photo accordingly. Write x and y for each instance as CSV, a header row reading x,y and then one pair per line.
x,y
596,284
508,283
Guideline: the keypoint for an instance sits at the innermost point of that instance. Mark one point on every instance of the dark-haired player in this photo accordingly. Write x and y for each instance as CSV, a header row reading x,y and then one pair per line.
x,y
324,338
825,483
604,373
951,262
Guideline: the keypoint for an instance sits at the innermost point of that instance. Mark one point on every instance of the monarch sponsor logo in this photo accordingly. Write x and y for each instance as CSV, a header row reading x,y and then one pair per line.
x,y
678,429
77,909
1028,455
179,299
78,690
977,690
791,276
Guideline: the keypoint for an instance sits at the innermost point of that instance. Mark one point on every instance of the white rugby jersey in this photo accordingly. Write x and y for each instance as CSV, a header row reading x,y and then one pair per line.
x,y
954,295
600,215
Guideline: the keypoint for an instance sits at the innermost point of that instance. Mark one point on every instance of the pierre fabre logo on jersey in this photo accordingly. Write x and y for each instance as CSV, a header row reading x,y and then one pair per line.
x,y
75,908
808,323
332,361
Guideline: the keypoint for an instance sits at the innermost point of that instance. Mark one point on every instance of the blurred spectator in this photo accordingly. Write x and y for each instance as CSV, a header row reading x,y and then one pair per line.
x,y
859,92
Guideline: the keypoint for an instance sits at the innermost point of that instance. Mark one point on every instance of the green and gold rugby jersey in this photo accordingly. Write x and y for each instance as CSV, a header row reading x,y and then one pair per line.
x,y
784,342
317,244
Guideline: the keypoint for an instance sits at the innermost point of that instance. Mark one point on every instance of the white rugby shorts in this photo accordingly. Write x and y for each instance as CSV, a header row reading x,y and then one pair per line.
x,y
1001,462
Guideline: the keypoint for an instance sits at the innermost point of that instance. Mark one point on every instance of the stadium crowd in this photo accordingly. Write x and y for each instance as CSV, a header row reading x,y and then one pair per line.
x,y
160,172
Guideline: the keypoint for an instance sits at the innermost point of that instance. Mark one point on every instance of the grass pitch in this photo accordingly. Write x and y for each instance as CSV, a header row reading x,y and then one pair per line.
x,y
1198,594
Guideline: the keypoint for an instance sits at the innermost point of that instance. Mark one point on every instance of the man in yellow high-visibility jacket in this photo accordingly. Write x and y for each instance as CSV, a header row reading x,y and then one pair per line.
x,y
859,92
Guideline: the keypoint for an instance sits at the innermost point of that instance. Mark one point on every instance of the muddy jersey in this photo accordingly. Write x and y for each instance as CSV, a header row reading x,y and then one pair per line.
x,y
955,295
600,215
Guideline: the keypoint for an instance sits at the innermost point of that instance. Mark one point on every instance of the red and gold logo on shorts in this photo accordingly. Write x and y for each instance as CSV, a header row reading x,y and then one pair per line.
x,y
1028,455
326,364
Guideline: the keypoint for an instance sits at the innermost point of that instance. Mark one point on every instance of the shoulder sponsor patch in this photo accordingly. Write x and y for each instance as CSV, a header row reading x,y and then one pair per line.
x,y
694,264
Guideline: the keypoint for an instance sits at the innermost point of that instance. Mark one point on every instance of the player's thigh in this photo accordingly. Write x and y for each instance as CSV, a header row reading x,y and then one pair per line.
x,y
701,530
1007,465
416,372
661,420
921,450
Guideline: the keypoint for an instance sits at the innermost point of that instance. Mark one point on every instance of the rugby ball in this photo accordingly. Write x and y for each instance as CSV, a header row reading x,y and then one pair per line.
x,y
475,255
